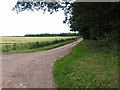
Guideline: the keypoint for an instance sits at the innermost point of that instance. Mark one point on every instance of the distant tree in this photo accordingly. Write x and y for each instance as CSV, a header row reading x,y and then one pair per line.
x,y
47,34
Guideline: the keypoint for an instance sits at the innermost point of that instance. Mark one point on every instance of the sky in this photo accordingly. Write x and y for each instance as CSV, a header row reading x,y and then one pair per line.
x,y
13,24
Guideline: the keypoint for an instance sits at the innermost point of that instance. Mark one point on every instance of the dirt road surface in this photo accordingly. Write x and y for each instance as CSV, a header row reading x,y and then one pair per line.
x,y
33,69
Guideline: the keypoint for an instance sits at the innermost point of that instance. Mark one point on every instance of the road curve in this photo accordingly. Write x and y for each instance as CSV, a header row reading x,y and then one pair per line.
x,y
33,69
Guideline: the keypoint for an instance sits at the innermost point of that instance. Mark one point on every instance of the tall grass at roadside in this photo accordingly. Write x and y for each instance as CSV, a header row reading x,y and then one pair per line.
x,y
32,45
86,67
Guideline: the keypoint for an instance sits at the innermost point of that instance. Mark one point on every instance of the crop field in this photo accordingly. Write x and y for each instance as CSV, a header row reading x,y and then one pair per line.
x,y
19,43
30,39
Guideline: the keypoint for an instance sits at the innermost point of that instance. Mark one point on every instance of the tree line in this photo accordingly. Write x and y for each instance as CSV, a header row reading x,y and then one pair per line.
x,y
48,34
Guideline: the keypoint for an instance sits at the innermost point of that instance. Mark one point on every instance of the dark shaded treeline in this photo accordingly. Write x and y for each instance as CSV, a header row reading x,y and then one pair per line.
x,y
94,20
48,34
98,21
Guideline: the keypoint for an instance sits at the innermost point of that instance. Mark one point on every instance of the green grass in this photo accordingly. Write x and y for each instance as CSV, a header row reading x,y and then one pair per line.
x,y
42,48
86,68
20,44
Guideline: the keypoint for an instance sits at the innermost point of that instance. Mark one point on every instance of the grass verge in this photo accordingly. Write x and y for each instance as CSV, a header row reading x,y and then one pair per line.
x,y
85,67
42,48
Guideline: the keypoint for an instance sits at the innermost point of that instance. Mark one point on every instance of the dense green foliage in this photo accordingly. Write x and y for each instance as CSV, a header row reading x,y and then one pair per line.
x,y
95,20
87,67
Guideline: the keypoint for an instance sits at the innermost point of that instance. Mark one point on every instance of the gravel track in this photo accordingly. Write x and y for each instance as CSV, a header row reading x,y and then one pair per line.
x,y
33,69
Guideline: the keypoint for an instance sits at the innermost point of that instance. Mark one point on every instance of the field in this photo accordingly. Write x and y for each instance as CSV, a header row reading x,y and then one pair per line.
x,y
30,39
22,43
86,67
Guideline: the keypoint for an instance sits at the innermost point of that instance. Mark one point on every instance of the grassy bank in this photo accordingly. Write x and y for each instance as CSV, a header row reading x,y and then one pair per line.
x,y
12,44
42,48
87,68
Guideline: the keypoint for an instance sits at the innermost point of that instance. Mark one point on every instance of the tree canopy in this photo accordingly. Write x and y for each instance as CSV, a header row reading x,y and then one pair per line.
x,y
94,20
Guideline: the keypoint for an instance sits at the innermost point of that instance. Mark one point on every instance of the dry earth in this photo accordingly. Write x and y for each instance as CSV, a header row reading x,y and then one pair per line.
x,y
33,69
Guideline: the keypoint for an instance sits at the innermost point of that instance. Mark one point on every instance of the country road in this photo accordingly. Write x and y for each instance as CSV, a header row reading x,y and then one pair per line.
x,y
33,69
